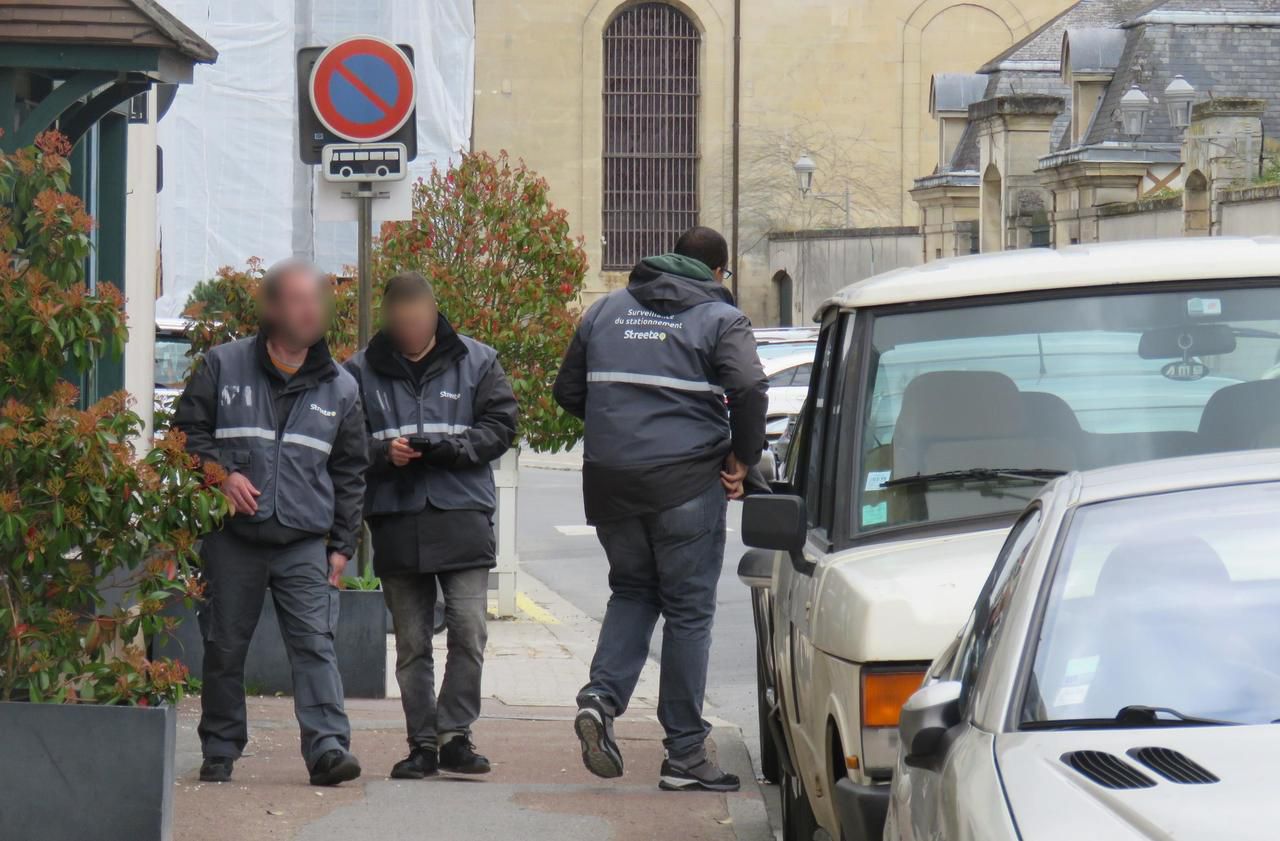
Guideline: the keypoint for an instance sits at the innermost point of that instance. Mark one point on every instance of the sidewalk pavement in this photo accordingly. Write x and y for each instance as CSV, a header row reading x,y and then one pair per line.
x,y
538,789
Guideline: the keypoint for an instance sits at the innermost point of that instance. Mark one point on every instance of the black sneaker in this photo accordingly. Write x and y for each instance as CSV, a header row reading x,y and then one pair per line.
x,y
422,762
216,769
700,774
594,727
459,756
336,766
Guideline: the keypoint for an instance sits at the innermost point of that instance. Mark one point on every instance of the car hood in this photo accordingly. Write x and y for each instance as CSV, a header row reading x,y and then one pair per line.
x,y
1042,789
903,600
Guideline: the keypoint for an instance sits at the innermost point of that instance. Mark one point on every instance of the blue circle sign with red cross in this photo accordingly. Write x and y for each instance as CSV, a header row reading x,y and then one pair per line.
x,y
362,89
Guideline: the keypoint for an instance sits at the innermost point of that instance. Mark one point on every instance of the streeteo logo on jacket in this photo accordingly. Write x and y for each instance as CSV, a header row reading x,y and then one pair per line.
x,y
645,335
326,412
450,395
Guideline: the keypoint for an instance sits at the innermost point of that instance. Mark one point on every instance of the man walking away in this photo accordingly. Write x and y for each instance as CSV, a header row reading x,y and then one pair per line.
x,y
440,410
666,375
285,422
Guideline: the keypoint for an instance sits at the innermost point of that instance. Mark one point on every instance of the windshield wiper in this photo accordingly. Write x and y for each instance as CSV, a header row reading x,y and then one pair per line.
x,y
1134,715
977,474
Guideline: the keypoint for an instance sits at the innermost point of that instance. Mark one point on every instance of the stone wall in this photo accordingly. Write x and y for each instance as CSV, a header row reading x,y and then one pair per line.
x,y
1150,219
820,263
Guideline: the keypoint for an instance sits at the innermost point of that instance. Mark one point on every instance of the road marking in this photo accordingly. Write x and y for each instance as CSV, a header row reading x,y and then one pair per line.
x,y
535,611
577,531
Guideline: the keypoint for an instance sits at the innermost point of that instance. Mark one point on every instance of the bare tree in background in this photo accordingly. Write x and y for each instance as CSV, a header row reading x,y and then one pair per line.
x,y
770,198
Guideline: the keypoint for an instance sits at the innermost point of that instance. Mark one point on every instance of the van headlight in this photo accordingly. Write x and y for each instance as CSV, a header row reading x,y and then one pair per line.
x,y
884,691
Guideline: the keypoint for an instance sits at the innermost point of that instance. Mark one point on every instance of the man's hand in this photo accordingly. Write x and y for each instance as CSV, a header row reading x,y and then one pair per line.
x,y
732,476
337,564
401,453
242,493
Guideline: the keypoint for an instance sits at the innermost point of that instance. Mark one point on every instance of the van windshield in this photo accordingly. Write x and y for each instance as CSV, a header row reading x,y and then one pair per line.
x,y
972,408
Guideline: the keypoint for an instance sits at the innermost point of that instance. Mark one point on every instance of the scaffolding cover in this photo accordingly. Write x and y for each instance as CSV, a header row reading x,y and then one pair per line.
x,y
233,185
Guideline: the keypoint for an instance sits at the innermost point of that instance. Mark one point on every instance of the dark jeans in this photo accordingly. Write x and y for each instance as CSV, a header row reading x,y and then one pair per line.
x,y
665,564
412,601
238,574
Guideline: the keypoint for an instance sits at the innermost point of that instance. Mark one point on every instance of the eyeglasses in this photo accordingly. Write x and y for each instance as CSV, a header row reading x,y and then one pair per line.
x,y
728,273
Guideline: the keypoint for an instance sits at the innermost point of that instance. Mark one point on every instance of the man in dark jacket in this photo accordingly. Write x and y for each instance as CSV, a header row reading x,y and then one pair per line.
x,y
284,421
666,375
440,410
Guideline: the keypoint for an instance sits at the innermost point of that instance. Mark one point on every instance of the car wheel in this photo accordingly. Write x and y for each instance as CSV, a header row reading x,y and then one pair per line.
x,y
770,765
798,822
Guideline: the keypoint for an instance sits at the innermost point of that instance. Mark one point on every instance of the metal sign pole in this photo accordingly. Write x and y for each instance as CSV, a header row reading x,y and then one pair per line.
x,y
364,262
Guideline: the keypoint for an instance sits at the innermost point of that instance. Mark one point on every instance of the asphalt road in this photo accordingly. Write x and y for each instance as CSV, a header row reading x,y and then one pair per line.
x,y
558,548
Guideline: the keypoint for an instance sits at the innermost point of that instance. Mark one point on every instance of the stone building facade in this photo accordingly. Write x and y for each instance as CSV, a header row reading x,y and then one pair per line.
x,y
646,115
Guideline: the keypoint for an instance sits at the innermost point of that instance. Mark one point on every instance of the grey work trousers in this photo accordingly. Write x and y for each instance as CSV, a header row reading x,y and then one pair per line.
x,y
433,721
663,564
238,574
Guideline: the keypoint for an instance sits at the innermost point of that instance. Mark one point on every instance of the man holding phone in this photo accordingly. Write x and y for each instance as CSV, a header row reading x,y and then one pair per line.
x,y
439,410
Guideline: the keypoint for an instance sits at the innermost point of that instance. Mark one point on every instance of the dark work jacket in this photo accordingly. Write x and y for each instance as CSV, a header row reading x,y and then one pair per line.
x,y
300,440
666,376
428,518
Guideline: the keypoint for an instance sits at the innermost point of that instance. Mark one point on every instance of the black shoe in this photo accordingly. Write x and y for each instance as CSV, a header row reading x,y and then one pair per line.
x,y
699,775
216,769
422,762
336,766
459,756
594,727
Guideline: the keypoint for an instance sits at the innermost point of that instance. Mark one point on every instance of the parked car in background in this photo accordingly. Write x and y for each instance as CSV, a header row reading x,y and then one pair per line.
x,y
1119,677
172,365
787,356
942,398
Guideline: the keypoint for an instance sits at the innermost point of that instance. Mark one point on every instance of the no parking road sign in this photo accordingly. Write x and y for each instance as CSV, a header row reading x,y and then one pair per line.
x,y
359,90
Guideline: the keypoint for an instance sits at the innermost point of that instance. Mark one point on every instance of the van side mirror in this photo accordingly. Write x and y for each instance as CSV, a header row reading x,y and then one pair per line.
x,y
926,717
779,522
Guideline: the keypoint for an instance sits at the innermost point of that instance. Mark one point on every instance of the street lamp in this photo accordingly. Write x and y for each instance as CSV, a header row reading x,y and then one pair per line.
x,y
1178,98
805,168
1134,108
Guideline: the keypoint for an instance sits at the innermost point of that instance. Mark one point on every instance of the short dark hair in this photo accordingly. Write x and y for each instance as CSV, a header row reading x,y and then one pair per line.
x,y
705,244
274,276
407,286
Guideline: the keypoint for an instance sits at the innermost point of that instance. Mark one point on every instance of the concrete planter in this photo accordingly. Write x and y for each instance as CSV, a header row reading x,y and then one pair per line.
x,y
70,772
360,640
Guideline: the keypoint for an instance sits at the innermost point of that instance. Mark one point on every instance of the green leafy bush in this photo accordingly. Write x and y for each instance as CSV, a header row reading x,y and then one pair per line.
x,y
94,539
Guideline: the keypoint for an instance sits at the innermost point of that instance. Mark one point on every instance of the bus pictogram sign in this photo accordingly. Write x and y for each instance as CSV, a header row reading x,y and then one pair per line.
x,y
362,89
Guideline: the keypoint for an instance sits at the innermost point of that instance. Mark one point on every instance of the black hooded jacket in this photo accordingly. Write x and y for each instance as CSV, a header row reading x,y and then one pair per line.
x,y
435,540
670,286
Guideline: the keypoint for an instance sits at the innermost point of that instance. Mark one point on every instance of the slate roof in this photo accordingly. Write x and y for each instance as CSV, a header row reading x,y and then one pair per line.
x,y
1225,60
1033,65
111,23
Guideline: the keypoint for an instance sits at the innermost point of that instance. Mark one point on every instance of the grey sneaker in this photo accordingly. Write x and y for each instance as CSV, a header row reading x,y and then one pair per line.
x,y
594,727
696,774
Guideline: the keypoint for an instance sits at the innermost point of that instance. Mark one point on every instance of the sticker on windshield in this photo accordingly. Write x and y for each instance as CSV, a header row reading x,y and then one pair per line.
x,y
876,479
1069,696
1204,306
1185,371
1080,666
874,515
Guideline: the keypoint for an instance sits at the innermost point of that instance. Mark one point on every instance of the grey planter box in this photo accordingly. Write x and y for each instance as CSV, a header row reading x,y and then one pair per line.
x,y
360,640
70,772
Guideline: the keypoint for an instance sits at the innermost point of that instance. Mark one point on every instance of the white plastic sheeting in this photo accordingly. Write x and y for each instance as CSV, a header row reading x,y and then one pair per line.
x,y
233,185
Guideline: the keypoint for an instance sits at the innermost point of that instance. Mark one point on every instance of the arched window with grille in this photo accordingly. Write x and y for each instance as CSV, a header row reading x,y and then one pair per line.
x,y
650,132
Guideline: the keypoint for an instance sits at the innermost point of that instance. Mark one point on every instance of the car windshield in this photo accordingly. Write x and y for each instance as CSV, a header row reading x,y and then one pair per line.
x,y
1165,601
972,408
172,363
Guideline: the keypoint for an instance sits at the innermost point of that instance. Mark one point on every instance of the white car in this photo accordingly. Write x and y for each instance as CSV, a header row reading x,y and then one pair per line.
x,y
788,376
942,398
172,364
1119,678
